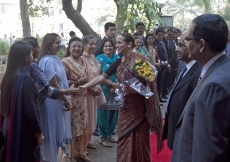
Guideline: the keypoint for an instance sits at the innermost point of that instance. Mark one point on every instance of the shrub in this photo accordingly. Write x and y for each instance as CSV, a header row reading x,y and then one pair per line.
x,y
4,47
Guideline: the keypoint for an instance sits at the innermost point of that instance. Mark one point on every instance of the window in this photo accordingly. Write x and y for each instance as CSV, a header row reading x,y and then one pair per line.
x,y
3,8
52,13
60,11
51,27
61,27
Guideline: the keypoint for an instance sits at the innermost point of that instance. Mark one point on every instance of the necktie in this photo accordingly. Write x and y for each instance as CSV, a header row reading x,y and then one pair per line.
x,y
177,81
198,80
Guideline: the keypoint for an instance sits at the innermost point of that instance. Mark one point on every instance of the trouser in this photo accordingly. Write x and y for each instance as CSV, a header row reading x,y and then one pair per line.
x,y
160,80
107,121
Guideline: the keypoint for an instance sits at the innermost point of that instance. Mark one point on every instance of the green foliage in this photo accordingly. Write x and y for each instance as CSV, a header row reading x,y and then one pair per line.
x,y
4,47
132,11
61,53
38,8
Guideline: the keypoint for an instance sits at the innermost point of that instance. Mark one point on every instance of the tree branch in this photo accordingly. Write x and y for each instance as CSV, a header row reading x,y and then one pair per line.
x,y
77,18
79,6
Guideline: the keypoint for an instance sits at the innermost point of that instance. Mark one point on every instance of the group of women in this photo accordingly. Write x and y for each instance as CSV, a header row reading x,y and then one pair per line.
x,y
41,114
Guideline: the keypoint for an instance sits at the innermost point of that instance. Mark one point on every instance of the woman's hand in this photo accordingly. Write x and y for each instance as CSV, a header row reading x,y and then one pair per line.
x,y
98,91
40,140
83,80
78,92
112,90
95,91
158,66
68,106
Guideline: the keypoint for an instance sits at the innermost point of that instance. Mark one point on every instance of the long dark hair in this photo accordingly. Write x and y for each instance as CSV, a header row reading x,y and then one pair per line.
x,y
31,40
67,53
18,53
146,44
103,43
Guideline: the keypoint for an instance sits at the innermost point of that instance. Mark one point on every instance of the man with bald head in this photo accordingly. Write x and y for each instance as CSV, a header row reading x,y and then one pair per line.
x,y
203,130
181,90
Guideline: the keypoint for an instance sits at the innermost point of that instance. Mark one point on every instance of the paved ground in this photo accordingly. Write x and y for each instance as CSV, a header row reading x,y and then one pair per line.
x,y
101,153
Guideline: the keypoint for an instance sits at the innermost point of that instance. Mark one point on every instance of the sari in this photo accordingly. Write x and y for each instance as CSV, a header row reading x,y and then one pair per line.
x,y
136,117
151,54
91,99
22,124
79,113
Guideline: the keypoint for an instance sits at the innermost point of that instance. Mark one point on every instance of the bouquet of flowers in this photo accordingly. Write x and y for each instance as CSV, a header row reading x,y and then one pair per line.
x,y
137,77
144,71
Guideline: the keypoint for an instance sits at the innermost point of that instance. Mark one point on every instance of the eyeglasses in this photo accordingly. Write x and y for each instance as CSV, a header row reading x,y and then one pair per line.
x,y
187,39
181,45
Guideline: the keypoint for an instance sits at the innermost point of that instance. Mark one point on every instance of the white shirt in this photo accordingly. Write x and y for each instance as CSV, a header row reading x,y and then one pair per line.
x,y
189,65
209,64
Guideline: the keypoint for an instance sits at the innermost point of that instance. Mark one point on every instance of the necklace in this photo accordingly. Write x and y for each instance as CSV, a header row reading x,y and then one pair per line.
x,y
78,63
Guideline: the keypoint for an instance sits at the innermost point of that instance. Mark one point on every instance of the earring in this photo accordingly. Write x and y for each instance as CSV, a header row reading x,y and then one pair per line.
x,y
129,46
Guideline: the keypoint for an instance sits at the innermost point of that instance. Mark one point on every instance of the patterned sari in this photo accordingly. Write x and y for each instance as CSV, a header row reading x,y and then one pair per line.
x,y
79,114
136,118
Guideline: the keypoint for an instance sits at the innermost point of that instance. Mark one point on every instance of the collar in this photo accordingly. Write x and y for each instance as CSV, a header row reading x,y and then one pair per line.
x,y
209,64
190,64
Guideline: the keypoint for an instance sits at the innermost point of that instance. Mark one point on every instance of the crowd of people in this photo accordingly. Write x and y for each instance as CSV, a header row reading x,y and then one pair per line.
x,y
49,104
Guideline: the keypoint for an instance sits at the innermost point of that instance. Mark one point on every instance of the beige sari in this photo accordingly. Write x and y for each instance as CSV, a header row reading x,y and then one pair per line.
x,y
91,99
151,54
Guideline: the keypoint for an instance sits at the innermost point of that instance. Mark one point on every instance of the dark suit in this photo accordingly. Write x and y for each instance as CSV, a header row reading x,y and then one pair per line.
x,y
172,60
177,101
162,53
203,130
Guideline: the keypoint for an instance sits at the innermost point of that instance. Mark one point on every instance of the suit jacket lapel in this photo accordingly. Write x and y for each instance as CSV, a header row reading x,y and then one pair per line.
x,y
187,76
223,59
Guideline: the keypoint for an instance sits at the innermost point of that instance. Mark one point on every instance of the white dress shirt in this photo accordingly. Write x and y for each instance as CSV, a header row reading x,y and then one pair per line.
x,y
209,64
189,65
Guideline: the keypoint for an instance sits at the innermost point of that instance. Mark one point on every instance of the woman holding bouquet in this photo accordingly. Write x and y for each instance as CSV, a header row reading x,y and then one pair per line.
x,y
137,114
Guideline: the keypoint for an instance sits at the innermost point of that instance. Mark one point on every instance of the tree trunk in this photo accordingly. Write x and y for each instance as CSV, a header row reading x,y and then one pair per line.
x,y
25,18
77,18
120,24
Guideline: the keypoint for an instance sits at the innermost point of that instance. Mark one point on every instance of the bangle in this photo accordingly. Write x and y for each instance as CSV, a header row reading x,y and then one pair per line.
x,y
42,137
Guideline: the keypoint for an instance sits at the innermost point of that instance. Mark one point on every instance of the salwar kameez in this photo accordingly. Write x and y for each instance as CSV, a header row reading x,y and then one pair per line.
x,y
107,114
79,113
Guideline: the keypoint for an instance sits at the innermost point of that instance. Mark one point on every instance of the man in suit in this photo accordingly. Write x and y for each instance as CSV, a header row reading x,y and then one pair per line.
x,y
110,31
180,92
165,66
172,59
202,132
